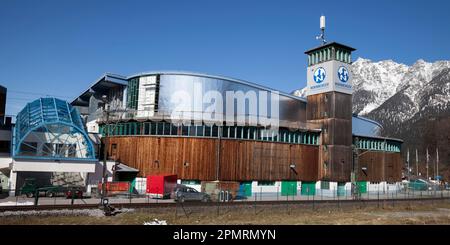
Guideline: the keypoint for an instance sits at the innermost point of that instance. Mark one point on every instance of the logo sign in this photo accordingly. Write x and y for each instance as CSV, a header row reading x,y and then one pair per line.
x,y
319,75
343,74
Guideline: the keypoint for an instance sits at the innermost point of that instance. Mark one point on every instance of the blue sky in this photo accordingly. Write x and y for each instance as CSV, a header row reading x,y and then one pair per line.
x,y
61,47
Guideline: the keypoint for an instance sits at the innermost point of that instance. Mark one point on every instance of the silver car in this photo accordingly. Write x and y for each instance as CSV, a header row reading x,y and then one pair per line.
x,y
184,193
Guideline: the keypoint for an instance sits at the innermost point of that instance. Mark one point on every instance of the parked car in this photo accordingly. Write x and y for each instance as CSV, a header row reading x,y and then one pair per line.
x,y
185,193
422,185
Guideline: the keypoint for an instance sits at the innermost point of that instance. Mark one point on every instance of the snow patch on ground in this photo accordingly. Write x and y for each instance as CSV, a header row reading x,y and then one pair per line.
x,y
9,203
62,212
156,222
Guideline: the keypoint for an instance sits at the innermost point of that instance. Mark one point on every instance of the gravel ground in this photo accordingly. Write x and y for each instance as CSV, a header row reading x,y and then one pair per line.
x,y
402,213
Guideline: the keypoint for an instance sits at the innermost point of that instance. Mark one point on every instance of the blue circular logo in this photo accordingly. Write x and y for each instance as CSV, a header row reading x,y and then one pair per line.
x,y
343,74
319,75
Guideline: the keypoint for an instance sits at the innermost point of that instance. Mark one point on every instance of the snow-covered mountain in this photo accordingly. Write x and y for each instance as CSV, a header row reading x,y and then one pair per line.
x,y
407,89
411,102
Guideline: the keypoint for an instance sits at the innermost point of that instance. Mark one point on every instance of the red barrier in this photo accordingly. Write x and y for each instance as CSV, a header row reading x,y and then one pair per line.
x,y
115,187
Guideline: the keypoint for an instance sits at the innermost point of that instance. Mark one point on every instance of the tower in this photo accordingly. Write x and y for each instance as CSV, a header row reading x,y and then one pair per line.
x,y
329,96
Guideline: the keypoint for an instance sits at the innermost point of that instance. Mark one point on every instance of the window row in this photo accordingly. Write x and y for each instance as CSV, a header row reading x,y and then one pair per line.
x,y
229,132
327,54
378,145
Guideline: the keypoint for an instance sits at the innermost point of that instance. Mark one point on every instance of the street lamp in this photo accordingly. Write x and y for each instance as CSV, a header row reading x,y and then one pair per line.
x,y
105,151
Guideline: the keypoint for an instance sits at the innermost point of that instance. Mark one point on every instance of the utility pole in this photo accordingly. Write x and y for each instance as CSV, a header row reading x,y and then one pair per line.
x,y
105,149
218,150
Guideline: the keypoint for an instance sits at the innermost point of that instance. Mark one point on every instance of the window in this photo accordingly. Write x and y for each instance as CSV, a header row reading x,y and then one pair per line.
x,y
199,130
132,93
184,130
266,183
152,128
215,131
207,131
190,182
165,129
173,129
225,131
324,185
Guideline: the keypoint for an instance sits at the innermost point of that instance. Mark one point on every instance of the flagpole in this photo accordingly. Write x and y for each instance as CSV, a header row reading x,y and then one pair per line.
x,y
407,161
437,162
427,163
417,163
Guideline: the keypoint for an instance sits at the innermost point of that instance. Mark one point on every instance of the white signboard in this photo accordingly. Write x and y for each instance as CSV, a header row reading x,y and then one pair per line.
x,y
329,76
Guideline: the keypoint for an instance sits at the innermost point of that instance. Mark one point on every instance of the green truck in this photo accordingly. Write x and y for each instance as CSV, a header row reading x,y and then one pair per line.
x,y
30,189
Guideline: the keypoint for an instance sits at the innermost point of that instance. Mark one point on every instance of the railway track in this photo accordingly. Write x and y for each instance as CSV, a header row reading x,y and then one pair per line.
x,y
317,203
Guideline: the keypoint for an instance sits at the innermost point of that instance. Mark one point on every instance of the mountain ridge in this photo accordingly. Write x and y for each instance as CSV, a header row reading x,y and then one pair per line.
x,y
411,102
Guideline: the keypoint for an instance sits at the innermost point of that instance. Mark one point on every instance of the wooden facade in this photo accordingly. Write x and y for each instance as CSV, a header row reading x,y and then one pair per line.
x,y
329,105
198,158
377,166
253,160
335,131
336,163
331,111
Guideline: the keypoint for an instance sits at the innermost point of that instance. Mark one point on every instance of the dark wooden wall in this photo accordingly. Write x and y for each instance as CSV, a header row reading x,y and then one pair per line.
x,y
250,160
335,131
329,105
195,158
332,111
336,163
380,166
242,160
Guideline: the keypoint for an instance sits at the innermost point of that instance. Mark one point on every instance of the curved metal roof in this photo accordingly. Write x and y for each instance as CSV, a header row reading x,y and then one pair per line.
x,y
50,121
187,73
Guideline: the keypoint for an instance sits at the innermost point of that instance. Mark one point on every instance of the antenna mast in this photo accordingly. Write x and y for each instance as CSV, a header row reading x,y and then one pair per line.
x,y
322,29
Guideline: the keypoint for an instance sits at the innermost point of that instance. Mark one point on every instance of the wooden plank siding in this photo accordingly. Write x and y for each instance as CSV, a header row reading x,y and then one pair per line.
x,y
246,160
380,166
195,158
337,163
329,105
335,131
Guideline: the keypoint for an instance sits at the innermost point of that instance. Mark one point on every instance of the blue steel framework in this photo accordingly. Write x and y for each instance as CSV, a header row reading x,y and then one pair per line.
x,y
51,129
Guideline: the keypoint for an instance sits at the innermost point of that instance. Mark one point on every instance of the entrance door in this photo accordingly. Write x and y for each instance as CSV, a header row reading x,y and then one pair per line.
x,y
288,188
341,189
308,188
362,186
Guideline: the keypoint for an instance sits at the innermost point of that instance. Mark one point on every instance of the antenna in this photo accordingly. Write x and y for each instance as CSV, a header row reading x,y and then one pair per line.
x,y
322,29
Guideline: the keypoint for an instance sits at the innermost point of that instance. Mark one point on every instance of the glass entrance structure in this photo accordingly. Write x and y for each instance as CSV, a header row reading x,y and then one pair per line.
x,y
51,129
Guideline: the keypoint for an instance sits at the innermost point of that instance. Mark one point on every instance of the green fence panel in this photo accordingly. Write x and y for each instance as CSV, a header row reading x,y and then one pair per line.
x,y
308,188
